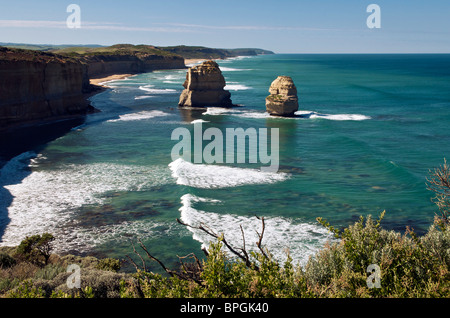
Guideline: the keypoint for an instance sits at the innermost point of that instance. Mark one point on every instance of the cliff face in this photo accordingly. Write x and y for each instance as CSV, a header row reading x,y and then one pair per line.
x,y
106,65
283,100
204,87
37,86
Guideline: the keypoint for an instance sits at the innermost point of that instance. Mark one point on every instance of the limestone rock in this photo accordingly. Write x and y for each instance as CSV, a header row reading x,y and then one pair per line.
x,y
283,100
204,87
40,86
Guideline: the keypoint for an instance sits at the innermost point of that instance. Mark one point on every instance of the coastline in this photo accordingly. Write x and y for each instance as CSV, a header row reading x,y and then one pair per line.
x,y
193,61
100,81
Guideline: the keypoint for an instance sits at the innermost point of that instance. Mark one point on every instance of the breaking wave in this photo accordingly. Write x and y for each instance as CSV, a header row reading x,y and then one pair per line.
x,y
140,115
302,240
216,176
44,201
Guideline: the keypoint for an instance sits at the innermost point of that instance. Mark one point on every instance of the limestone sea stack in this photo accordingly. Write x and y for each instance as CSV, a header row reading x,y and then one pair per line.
x,y
204,86
283,100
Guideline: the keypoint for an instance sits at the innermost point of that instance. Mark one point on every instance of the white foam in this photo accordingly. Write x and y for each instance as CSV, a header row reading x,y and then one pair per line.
x,y
143,97
311,114
254,115
148,88
301,239
231,69
218,111
197,121
44,201
216,176
146,114
236,87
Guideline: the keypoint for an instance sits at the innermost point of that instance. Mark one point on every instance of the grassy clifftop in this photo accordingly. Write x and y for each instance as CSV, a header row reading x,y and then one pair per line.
x,y
187,52
15,54
193,52
118,49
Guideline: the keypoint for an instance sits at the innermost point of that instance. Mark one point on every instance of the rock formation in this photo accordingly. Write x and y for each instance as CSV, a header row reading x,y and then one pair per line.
x,y
40,86
283,100
204,87
37,86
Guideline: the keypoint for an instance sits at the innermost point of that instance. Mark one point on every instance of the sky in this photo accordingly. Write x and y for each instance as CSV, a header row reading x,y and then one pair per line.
x,y
283,26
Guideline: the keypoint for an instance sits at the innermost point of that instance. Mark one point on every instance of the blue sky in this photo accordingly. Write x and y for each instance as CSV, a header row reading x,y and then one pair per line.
x,y
296,26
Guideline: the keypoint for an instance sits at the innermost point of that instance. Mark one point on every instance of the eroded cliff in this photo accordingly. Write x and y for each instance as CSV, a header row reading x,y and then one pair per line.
x,y
102,65
37,86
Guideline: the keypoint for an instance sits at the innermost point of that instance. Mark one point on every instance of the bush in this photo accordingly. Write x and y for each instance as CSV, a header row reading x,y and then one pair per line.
x,y
108,264
6,261
410,266
222,277
49,272
26,290
36,247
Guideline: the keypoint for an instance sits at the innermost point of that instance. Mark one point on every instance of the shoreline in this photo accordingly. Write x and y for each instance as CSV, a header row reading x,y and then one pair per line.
x,y
193,61
102,80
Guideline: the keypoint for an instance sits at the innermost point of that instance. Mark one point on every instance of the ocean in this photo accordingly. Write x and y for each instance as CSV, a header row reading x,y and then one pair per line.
x,y
369,129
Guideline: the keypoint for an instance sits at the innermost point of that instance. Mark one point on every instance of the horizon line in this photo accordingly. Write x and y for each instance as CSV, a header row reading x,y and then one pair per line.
x,y
6,44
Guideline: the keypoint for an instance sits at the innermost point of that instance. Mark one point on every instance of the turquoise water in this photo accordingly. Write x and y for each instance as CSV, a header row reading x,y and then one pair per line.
x,y
370,128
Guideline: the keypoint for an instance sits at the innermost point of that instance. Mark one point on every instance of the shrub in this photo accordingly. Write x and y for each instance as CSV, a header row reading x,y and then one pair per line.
x,y
26,290
49,272
410,266
108,264
36,247
439,183
6,261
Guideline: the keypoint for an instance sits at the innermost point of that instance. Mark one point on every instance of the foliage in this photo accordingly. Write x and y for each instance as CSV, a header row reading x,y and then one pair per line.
x,y
26,290
49,272
410,266
6,260
108,264
439,183
36,247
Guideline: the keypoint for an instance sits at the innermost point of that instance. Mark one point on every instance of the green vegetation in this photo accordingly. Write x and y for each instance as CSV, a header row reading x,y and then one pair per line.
x,y
42,47
187,52
364,260
275,98
36,248
118,49
201,52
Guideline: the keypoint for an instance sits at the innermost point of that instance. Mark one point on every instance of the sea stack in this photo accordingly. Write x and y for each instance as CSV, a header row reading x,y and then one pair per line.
x,y
283,100
204,87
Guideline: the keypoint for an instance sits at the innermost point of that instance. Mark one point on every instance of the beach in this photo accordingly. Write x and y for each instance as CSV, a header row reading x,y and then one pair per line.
x,y
193,61
100,81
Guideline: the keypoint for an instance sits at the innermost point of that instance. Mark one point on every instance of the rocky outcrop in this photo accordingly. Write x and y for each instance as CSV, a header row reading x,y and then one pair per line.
x,y
36,86
283,100
204,86
102,65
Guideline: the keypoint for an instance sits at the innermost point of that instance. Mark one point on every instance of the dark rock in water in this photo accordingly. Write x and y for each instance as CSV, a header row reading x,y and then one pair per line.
x,y
283,100
204,87
290,169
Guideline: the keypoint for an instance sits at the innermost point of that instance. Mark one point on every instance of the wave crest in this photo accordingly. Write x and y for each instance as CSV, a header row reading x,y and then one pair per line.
x,y
215,176
302,240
